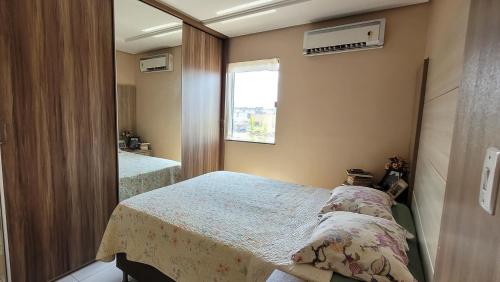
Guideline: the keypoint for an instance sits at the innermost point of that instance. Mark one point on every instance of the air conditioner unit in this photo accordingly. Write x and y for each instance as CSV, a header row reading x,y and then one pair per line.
x,y
345,38
162,62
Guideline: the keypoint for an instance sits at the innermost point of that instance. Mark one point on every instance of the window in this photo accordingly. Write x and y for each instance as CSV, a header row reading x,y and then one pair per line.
x,y
252,95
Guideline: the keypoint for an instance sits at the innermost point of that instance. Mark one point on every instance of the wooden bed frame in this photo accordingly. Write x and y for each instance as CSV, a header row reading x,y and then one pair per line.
x,y
139,271
146,273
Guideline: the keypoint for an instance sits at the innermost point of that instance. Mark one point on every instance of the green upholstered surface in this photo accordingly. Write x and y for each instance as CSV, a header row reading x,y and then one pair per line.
x,y
403,216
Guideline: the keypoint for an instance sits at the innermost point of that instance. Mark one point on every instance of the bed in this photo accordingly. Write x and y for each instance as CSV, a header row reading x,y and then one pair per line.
x,y
221,226
140,174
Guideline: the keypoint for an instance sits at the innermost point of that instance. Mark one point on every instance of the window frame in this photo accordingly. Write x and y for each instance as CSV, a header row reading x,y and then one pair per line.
x,y
229,103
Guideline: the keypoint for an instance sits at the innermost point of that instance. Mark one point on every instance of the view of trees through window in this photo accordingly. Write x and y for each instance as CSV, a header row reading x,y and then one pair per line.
x,y
253,113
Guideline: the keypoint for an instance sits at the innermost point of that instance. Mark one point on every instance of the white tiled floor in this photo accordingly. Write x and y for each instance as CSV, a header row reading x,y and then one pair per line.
x,y
108,272
96,272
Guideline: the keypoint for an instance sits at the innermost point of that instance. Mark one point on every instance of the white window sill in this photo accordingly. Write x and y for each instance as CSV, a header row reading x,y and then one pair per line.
x,y
247,141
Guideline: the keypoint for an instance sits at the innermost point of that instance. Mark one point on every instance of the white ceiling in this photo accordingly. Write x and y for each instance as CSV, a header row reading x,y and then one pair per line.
x,y
131,17
301,13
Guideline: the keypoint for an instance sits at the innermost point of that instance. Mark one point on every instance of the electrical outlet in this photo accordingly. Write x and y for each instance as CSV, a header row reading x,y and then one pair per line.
x,y
489,180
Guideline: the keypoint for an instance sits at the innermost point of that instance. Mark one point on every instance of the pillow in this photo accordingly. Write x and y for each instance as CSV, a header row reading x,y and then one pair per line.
x,y
360,199
358,246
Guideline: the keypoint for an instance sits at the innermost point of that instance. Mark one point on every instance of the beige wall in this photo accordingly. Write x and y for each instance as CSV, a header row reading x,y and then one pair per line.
x,y
159,108
158,102
126,65
335,111
445,47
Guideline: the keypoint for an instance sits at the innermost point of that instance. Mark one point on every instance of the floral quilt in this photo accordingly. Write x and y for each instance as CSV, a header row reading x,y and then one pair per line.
x,y
140,174
221,226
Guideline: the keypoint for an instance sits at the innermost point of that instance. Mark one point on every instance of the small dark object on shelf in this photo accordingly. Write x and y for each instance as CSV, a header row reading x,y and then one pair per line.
x,y
133,143
395,169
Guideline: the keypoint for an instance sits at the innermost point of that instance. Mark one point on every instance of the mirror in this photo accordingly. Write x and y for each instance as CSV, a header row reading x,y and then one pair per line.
x,y
148,76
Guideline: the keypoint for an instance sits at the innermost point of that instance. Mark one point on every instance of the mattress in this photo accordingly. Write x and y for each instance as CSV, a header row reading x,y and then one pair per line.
x,y
221,226
140,174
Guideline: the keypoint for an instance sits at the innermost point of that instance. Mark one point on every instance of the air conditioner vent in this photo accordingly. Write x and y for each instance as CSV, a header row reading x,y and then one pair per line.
x,y
162,62
345,38
157,68
336,48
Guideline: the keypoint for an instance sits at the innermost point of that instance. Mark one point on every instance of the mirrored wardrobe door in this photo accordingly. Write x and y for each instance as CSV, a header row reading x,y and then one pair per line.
x,y
148,76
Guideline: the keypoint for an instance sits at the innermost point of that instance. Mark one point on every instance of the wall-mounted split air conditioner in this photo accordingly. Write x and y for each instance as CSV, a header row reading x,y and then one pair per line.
x,y
162,62
345,38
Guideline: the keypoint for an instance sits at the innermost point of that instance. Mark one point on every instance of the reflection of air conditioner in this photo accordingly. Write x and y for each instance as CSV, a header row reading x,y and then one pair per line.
x,y
345,38
162,62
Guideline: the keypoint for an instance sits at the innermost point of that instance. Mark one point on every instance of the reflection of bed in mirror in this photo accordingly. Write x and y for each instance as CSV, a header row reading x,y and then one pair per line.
x,y
139,174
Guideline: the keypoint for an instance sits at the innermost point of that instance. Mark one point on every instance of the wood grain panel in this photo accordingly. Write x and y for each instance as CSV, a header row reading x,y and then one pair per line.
x,y
59,162
437,131
201,98
222,122
126,100
427,262
429,195
445,45
469,244
431,170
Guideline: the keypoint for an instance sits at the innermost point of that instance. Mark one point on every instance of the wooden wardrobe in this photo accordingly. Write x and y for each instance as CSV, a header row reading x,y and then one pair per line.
x,y
59,146
59,155
201,102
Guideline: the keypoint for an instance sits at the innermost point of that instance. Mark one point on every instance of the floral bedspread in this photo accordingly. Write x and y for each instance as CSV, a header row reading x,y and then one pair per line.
x,y
221,226
140,174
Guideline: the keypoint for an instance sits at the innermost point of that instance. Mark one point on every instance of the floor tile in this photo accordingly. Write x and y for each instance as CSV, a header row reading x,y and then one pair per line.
x,y
279,276
68,278
109,274
91,269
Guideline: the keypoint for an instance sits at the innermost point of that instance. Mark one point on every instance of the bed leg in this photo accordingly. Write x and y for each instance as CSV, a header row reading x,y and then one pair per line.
x,y
125,276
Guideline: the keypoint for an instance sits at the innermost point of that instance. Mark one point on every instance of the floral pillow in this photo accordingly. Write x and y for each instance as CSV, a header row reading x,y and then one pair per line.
x,y
358,246
359,199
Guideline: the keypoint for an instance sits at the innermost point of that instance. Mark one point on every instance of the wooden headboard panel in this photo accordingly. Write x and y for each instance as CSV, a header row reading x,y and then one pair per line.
x,y
126,103
417,124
